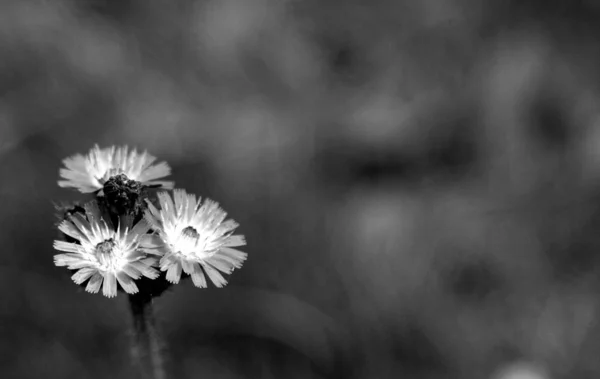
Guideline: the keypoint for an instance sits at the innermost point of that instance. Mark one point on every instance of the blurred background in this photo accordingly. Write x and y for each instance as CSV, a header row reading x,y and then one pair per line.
x,y
418,182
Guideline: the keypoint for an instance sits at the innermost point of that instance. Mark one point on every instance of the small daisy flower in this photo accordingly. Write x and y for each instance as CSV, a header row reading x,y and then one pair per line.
x,y
104,255
196,238
90,173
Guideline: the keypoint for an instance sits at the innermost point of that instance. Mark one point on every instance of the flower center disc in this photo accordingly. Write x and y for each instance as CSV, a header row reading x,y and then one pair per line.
x,y
190,232
123,194
106,247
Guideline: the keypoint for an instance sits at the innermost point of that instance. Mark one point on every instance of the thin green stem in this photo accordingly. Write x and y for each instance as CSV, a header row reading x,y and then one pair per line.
x,y
146,346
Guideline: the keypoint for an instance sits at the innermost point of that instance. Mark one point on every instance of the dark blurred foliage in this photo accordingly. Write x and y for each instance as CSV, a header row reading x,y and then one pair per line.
x,y
417,180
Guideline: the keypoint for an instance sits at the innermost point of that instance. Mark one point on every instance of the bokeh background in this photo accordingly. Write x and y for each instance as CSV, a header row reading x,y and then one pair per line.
x,y
418,182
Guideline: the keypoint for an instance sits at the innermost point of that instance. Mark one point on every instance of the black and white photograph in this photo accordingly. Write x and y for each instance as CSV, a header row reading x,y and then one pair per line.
x,y
299,189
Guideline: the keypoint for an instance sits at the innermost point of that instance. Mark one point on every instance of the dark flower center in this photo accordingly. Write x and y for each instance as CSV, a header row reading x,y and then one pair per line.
x,y
190,232
106,247
123,194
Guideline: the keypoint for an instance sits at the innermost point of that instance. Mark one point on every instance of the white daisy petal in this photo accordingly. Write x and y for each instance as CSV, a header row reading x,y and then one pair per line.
x,y
152,216
226,226
214,275
138,230
69,229
109,287
218,217
174,273
233,254
220,264
149,261
151,240
231,258
198,277
158,251
67,259
88,173
92,212
166,261
132,271
67,246
124,225
150,272
75,163
81,223
167,204
80,264
205,212
94,283
179,197
191,207
155,172
188,267
134,255
234,241
127,283
83,275
145,268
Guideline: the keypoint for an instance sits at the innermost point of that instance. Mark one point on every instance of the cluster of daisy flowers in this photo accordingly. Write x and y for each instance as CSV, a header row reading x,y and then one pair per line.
x,y
124,237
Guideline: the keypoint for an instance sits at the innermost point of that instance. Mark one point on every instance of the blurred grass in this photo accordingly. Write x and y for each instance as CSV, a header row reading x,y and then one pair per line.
x,y
416,180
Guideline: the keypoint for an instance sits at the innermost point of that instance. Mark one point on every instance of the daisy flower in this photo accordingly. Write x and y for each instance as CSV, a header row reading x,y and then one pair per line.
x,y
196,238
89,173
104,255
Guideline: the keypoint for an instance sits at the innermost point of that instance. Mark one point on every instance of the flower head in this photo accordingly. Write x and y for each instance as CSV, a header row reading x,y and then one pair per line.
x,y
91,172
196,237
106,255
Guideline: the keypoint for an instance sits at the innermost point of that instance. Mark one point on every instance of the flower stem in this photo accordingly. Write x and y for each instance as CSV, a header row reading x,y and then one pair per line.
x,y
146,344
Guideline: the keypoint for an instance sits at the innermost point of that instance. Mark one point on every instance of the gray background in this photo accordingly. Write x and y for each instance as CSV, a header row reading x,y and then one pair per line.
x,y
417,182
